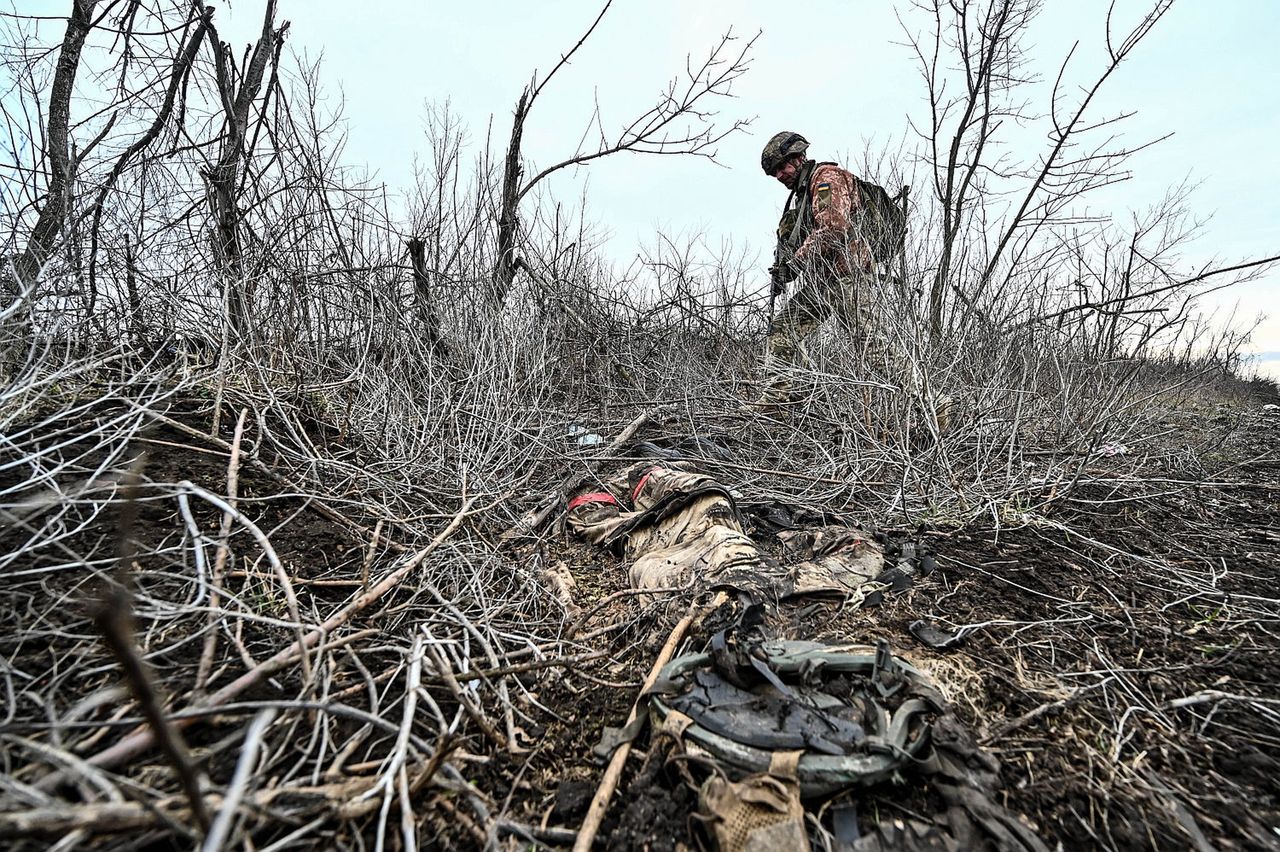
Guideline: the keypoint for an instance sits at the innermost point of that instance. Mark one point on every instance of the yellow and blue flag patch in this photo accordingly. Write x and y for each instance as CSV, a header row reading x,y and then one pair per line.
x,y
824,194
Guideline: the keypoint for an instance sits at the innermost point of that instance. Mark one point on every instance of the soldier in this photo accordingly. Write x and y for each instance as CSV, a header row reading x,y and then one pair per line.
x,y
817,239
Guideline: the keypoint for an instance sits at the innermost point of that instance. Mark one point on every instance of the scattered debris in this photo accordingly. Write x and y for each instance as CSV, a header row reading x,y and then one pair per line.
x,y
856,714
582,436
805,721
935,638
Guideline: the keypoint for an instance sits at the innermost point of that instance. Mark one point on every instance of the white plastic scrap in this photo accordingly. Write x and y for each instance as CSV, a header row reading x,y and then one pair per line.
x,y
583,437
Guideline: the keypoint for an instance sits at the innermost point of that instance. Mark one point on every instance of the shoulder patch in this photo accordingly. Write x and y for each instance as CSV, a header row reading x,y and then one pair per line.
x,y
823,195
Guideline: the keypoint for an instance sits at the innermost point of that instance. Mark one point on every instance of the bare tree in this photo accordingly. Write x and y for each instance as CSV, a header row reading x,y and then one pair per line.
x,y
1061,177
198,24
985,41
678,123
239,90
20,282
972,167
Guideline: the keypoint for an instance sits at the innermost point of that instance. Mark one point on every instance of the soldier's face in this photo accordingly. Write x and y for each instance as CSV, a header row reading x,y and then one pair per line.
x,y
787,172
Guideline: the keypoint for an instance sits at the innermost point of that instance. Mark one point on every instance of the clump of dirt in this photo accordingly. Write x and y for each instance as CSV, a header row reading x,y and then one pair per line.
x,y
655,816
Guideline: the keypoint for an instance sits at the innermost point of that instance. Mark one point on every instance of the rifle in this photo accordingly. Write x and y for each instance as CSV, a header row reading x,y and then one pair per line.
x,y
777,280
783,270
780,274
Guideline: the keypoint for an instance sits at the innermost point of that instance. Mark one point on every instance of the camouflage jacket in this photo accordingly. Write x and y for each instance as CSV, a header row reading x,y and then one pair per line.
x,y
817,228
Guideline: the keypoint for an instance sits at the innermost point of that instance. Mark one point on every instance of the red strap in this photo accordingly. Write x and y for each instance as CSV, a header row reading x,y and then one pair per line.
x,y
593,497
635,492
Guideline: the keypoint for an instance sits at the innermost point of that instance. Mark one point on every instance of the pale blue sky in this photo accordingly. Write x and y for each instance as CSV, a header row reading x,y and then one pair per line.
x,y
835,71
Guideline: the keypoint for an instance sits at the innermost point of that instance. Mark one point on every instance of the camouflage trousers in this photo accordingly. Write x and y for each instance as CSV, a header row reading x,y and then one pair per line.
x,y
849,300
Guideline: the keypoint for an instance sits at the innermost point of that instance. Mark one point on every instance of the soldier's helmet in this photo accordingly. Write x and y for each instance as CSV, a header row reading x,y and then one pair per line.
x,y
779,148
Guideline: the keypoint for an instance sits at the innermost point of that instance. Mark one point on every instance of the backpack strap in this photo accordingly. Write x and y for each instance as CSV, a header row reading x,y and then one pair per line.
x,y
676,724
800,200
783,764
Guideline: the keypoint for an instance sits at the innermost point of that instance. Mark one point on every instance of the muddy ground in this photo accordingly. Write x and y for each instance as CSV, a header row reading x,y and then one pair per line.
x,y
1118,658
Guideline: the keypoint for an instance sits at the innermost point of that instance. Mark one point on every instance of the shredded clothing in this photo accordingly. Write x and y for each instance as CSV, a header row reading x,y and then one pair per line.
x,y
683,529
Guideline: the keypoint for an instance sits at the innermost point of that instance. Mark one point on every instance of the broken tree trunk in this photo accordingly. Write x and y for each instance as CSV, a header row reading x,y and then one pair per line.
x,y
422,297
224,177
509,217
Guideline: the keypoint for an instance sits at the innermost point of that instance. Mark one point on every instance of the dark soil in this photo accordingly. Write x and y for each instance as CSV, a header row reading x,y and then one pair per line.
x,y
1112,671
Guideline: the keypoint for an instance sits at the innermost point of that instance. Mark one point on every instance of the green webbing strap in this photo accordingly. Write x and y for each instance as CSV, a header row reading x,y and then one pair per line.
x,y
804,209
886,751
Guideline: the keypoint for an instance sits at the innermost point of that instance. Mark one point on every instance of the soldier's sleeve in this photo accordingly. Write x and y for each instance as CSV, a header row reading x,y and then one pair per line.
x,y
833,198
